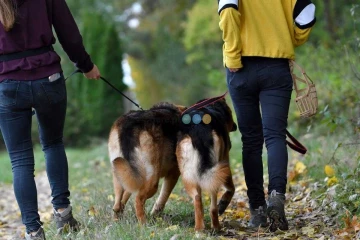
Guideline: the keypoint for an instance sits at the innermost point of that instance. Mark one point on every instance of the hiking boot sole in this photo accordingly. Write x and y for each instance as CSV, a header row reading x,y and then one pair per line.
x,y
276,221
250,225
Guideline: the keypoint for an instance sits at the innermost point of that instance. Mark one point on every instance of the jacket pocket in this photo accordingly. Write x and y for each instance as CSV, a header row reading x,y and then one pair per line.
x,y
8,93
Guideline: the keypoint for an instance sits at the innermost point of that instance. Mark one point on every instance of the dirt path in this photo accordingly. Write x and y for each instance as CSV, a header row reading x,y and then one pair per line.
x,y
10,219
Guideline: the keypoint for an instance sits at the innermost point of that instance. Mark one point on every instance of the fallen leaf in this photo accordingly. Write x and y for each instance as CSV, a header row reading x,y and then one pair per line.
x,y
309,231
110,198
241,204
174,196
331,181
292,176
290,235
329,171
92,212
173,228
300,167
239,214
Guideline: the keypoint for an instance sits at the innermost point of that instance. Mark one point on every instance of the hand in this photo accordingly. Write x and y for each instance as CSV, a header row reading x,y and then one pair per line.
x,y
93,74
234,69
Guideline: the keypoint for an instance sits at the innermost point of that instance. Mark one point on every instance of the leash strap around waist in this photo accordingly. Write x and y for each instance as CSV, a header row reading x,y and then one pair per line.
x,y
295,144
24,54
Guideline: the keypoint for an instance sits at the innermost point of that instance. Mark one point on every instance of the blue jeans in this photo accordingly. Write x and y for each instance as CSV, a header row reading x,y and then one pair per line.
x,y
265,83
17,99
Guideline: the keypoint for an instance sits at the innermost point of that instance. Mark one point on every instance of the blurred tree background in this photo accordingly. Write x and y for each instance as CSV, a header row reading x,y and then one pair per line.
x,y
174,51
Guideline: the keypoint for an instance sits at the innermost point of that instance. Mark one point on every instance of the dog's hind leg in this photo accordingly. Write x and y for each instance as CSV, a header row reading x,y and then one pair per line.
x,y
125,197
214,212
145,193
199,212
227,196
118,207
140,207
170,181
195,193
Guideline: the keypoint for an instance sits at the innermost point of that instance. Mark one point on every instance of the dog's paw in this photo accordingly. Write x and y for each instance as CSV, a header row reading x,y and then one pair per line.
x,y
222,206
117,215
157,210
215,230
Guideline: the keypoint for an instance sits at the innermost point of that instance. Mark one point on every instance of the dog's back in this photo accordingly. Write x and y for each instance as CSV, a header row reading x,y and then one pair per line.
x,y
142,150
143,144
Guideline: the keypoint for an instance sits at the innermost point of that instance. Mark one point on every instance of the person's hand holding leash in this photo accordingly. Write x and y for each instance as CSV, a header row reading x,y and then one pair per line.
x,y
234,69
93,74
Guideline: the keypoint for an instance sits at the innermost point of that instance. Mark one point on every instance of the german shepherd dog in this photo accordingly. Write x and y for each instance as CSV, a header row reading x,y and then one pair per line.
x,y
203,158
142,148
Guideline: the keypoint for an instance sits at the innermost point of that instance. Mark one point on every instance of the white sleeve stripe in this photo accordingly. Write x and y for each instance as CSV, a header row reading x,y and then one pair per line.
x,y
307,15
222,3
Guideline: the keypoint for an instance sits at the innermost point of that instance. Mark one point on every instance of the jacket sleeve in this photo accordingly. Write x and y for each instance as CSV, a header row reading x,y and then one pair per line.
x,y
304,20
69,35
230,27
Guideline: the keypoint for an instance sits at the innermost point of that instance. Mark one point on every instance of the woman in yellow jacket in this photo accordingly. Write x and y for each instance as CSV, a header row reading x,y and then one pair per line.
x,y
259,39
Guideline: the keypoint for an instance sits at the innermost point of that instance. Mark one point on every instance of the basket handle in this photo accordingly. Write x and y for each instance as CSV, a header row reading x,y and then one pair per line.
x,y
306,78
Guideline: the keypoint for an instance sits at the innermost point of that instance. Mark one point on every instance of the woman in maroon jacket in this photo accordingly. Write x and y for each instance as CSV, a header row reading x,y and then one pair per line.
x,y
31,78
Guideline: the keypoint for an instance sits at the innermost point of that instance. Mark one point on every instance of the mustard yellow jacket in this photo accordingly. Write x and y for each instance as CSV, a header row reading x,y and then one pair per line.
x,y
264,28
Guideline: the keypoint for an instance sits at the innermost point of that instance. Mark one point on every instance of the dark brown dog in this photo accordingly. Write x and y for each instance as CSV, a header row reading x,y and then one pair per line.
x,y
203,157
142,150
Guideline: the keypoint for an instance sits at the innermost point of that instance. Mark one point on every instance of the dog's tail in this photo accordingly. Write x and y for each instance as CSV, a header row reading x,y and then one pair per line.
x,y
215,177
128,176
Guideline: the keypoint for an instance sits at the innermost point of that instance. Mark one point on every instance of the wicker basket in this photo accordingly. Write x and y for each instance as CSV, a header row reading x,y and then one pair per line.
x,y
306,98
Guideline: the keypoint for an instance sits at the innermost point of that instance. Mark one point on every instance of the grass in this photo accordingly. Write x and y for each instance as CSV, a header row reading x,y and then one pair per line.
x,y
92,191
335,149
5,170
92,199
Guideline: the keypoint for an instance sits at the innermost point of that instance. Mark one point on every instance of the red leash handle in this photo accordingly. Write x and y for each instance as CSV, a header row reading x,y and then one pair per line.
x,y
295,144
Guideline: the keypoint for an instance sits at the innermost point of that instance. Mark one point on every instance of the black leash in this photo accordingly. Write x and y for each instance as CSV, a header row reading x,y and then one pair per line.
x,y
102,78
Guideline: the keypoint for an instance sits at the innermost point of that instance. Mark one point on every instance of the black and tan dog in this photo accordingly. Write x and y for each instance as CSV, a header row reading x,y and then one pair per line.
x,y
142,150
203,158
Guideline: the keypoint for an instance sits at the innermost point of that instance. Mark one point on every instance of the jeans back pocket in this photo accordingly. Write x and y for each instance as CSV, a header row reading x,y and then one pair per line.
x,y
8,93
237,80
55,91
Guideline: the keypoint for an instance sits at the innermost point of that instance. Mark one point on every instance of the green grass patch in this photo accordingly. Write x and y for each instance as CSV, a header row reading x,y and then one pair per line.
x,y
5,163
92,200
92,190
